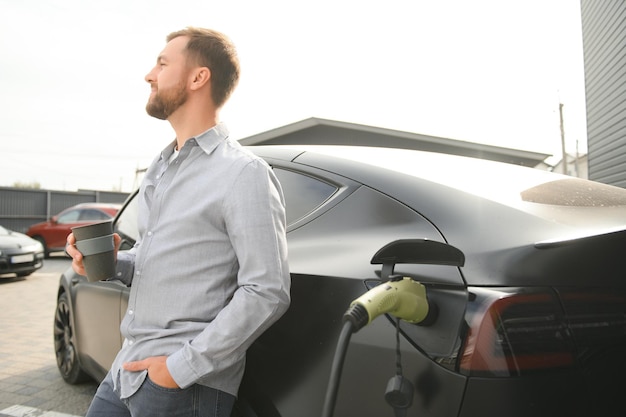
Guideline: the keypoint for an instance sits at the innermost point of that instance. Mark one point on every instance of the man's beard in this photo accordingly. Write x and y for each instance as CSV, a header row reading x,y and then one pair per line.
x,y
164,103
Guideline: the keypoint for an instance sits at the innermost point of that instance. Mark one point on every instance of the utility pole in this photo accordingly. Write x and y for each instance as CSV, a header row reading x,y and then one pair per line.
x,y
564,160
138,173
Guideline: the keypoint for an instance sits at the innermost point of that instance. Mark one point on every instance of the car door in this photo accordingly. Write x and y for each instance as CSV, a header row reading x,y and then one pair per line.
x,y
97,324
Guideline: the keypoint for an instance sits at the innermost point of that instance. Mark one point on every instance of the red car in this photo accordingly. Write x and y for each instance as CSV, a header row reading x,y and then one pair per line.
x,y
53,233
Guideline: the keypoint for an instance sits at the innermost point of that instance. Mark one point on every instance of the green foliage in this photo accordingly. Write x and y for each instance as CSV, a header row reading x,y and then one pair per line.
x,y
35,185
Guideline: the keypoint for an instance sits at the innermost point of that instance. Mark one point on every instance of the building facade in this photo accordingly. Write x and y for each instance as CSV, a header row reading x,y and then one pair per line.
x,y
604,50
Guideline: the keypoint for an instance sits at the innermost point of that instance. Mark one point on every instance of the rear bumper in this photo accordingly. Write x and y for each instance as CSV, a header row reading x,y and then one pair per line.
x,y
565,394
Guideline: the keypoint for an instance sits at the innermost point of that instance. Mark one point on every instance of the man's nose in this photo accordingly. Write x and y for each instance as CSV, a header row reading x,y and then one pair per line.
x,y
150,77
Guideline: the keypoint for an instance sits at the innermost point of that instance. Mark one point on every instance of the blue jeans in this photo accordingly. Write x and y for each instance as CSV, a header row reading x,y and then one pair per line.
x,y
152,400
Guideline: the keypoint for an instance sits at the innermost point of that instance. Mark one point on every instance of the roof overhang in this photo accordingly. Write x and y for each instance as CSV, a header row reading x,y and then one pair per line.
x,y
316,131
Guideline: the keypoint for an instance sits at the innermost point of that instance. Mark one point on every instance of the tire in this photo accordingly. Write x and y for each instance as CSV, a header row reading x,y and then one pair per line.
x,y
46,252
65,343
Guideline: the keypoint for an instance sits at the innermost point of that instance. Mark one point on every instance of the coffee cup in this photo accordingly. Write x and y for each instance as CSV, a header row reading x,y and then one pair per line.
x,y
95,242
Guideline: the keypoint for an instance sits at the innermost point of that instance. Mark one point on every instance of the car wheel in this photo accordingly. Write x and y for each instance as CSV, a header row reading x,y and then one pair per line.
x,y
66,354
46,252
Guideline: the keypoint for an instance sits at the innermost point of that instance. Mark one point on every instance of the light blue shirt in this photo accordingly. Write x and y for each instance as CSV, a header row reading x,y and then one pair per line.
x,y
209,271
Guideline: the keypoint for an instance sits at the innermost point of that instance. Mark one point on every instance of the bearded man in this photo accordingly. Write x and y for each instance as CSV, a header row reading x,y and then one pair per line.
x,y
209,271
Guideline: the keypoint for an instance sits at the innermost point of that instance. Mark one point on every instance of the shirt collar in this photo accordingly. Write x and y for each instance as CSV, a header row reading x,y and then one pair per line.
x,y
211,138
207,140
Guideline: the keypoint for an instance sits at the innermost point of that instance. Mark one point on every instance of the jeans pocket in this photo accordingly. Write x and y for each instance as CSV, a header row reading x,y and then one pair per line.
x,y
158,387
153,400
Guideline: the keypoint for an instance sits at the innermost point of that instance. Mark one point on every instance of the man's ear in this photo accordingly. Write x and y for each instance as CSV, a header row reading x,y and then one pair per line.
x,y
200,77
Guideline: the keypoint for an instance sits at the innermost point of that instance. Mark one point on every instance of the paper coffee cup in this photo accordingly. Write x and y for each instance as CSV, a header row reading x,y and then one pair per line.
x,y
95,242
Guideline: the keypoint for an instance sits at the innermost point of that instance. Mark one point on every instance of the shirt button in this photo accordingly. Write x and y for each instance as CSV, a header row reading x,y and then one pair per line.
x,y
131,312
150,233
130,342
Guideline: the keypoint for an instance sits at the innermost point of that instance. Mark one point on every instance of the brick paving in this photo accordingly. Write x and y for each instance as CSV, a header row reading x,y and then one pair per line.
x,y
30,385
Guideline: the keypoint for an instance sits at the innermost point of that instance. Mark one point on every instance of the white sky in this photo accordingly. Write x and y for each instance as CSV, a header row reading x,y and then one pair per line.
x,y
72,89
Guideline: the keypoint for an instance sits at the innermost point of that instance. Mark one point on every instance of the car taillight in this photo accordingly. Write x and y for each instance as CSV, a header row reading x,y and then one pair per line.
x,y
515,331
597,319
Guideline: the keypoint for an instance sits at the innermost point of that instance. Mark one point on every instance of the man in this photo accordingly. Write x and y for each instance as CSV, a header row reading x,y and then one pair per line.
x,y
209,272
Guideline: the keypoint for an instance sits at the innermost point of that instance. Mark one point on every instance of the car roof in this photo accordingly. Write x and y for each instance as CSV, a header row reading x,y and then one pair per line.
x,y
109,208
97,205
484,208
495,181
444,169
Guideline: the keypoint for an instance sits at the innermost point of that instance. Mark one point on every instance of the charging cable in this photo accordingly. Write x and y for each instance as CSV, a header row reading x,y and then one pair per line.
x,y
401,297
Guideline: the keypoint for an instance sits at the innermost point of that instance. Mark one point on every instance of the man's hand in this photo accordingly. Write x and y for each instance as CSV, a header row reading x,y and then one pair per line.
x,y
77,257
157,370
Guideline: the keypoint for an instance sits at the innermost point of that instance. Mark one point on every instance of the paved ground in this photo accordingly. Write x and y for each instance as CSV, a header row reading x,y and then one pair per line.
x,y
30,385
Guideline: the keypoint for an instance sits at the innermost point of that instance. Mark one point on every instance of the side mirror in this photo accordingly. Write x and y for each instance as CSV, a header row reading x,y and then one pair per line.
x,y
54,219
416,251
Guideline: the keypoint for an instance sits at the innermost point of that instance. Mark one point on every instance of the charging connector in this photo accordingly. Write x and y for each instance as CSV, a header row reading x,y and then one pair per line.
x,y
401,297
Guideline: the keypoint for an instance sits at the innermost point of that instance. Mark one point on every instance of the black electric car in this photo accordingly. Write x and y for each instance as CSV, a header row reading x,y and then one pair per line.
x,y
527,286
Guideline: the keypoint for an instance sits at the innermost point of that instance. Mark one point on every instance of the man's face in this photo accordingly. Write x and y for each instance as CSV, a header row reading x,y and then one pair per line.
x,y
168,80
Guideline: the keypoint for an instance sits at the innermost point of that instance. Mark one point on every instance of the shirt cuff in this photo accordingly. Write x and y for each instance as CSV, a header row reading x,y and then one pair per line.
x,y
180,369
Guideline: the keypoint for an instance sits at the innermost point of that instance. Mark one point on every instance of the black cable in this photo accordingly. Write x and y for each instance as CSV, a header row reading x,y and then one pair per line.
x,y
337,367
398,354
399,393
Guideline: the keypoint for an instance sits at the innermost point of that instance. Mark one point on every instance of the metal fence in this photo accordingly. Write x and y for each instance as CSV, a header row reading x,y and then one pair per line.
x,y
20,208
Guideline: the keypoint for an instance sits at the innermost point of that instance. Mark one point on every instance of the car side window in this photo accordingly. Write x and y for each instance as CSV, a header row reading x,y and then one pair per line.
x,y
93,215
71,216
303,193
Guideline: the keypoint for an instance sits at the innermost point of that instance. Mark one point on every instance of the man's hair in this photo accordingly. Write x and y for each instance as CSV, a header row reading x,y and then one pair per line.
x,y
214,50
